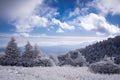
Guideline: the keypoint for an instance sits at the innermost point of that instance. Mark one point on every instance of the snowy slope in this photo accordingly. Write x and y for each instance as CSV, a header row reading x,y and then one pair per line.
x,y
52,73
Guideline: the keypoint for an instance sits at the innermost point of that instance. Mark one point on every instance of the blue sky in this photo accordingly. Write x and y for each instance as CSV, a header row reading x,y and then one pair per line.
x,y
54,19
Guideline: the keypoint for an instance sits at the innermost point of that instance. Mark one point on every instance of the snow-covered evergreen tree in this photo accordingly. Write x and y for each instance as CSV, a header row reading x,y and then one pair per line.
x,y
28,55
37,52
12,53
12,49
29,52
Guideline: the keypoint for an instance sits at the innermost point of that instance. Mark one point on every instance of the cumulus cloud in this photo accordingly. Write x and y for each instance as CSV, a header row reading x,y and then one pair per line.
x,y
28,24
78,12
75,12
107,6
22,14
98,23
59,30
25,15
63,25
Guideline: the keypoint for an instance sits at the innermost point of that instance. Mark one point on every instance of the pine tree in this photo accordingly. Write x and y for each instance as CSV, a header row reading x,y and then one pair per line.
x,y
37,52
27,55
28,51
12,53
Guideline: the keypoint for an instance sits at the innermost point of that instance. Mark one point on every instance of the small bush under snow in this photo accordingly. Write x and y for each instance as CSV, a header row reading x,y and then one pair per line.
x,y
105,67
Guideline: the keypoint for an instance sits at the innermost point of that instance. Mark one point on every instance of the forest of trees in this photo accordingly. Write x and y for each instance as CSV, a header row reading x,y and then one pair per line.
x,y
96,52
32,56
101,57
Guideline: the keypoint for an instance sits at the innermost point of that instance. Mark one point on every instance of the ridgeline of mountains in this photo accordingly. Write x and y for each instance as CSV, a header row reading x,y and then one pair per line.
x,y
96,52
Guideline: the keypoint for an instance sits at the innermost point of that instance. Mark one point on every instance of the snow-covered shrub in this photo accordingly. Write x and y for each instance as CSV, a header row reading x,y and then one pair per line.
x,y
43,61
47,62
80,60
74,58
105,67
55,59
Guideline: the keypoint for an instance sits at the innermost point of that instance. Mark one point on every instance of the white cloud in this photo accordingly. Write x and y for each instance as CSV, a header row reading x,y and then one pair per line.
x,y
63,25
23,9
107,6
98,23
78,12
24,34
28,24
59,30
100,34
38,21
75,12
47,11
25,15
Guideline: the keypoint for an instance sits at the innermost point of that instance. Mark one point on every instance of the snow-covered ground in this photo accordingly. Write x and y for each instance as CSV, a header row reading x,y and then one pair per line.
x,y
52,73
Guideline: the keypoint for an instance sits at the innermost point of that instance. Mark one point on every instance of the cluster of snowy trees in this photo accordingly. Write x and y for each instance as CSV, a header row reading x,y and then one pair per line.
x,y
74,58
30,57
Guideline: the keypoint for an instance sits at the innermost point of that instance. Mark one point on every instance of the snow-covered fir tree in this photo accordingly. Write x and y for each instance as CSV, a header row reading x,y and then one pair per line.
x,y
12,49
28,51
27,58
37,52
12,53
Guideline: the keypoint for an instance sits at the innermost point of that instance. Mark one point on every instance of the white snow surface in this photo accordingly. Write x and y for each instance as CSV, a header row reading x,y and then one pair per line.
x,y
52,73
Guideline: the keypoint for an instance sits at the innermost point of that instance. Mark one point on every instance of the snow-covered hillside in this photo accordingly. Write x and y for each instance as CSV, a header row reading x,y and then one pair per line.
x,y
52,73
